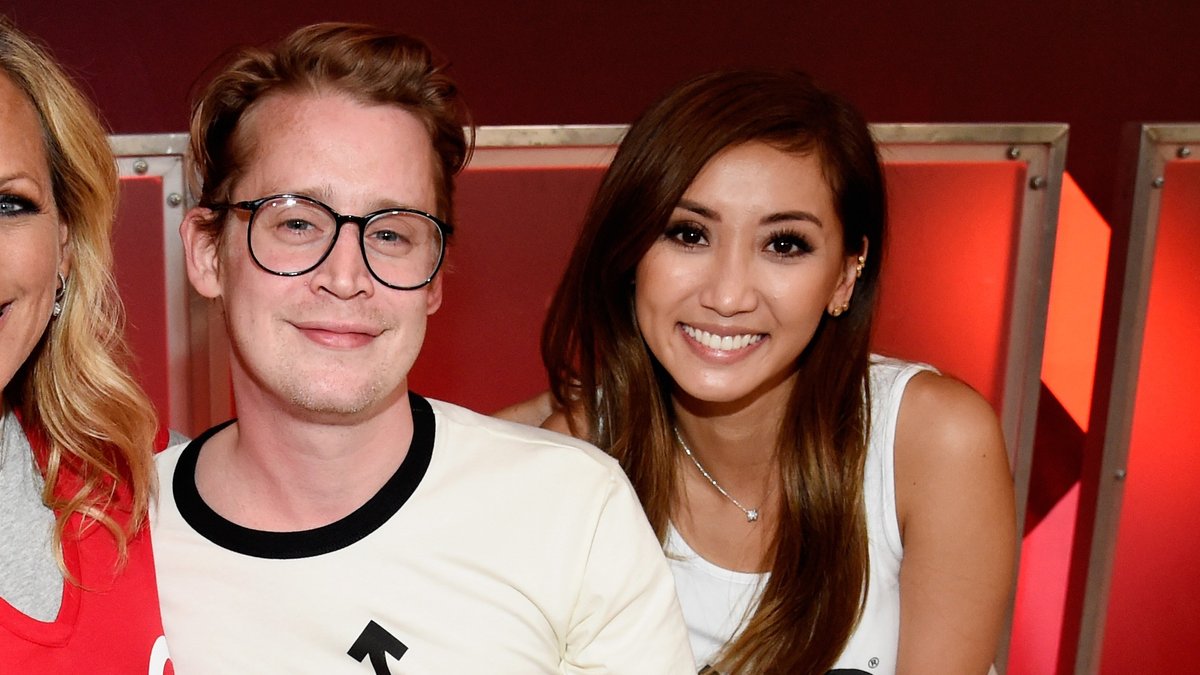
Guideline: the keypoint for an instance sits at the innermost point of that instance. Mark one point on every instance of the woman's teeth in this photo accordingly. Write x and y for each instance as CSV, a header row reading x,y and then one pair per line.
x,y
725,343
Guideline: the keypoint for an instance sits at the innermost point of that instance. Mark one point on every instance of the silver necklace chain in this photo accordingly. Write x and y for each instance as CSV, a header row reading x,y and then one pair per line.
x,y
751,514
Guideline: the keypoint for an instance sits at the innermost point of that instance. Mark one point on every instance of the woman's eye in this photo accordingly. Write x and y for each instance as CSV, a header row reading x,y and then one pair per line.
x,y
12,205
687,234
789,245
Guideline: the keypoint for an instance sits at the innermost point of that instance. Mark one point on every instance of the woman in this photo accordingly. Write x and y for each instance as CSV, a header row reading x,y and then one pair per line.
x,y
77,590
822,508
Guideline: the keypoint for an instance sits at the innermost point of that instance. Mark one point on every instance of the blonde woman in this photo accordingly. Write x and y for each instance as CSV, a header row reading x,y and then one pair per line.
x,y
77,591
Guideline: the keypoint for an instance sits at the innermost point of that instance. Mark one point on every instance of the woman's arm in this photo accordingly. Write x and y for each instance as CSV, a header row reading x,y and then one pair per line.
x,y
534,412
954,500
543,411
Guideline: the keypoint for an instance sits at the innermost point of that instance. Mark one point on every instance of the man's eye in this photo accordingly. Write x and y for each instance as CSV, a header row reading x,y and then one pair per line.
x,y
389,237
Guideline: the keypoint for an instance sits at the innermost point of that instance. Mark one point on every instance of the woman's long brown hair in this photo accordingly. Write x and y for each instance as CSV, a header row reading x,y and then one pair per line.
x,y
599,365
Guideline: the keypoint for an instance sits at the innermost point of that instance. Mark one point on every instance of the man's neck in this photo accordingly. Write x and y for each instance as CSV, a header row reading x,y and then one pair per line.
x,y
281,469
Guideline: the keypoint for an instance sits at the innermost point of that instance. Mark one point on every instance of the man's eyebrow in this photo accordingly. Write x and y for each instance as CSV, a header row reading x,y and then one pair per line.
x,y
325,193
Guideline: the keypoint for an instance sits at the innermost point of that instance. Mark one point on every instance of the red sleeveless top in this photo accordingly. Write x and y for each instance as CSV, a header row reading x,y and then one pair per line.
x,y
109,620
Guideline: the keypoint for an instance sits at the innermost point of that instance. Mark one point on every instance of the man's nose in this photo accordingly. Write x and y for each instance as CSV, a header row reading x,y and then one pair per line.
x,y
344,271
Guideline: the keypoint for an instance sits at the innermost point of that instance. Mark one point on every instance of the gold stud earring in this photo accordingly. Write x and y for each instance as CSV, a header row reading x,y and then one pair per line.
x,y
838,311
862,262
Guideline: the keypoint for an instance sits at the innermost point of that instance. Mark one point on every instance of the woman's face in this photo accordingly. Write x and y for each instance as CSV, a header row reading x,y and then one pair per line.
x,y
751,259
32,240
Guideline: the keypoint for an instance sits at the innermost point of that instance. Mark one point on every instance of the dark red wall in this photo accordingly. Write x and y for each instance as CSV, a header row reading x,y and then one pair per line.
x,y
1095,65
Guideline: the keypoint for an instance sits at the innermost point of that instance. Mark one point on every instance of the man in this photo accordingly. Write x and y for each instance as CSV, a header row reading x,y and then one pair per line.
x,y
343,524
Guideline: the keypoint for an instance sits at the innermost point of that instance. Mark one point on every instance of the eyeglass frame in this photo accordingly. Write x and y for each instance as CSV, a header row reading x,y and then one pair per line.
x,y
252,206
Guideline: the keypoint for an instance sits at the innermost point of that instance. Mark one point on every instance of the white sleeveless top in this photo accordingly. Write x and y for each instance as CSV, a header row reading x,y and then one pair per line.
x,y
716,602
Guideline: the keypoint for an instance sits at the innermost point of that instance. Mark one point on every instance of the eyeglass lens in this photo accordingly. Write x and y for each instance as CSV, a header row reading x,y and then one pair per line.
x,y
290,235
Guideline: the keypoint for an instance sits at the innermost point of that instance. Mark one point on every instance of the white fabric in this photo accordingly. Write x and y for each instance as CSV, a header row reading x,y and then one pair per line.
x,y
715,600
518,551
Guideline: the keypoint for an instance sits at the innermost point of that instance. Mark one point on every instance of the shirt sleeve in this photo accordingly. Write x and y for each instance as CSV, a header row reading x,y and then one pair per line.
x,y
626,619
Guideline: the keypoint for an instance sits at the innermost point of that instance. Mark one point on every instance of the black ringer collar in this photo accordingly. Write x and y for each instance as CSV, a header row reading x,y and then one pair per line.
x,y
306,543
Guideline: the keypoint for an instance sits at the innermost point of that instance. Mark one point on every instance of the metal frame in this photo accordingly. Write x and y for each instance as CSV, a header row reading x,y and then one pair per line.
x,y
161,155
1041,147
1157,144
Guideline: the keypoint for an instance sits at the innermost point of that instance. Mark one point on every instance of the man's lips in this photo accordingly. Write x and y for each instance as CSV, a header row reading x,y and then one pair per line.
x,y
342,336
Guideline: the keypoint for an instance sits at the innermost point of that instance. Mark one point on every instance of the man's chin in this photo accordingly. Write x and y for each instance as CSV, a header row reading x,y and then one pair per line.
x,y
341,405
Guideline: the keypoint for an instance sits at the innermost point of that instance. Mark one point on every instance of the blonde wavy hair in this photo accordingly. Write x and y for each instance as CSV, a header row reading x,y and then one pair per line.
x,y
75,388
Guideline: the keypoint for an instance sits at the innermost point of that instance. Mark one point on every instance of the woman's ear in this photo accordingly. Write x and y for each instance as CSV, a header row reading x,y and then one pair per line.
x,y
201,252
852,269
64,250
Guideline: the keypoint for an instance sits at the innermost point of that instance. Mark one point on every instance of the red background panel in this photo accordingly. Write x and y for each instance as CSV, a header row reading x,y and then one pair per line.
x,y
513,235
948,267
946,286
1155,595
946,280
141,277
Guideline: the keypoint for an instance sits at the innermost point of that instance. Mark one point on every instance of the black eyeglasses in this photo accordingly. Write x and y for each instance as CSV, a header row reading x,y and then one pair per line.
x,y
290,235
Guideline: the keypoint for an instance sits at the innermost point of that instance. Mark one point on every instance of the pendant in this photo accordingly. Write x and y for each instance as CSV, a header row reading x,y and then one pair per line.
x,y
751,515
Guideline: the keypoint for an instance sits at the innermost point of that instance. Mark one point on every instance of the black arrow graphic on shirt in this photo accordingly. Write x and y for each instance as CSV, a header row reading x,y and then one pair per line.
x,y
376,642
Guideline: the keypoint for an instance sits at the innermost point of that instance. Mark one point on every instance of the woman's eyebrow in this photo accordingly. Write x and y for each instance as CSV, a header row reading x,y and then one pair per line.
x,y
698,209
784,216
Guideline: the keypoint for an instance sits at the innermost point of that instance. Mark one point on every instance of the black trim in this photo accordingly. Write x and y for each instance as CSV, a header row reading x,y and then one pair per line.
x,y
306,543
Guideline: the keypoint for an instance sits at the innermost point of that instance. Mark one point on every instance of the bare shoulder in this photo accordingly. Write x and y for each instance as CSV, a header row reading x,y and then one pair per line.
x,y
569,422
558,421
533,411
941,417
544,411
949,450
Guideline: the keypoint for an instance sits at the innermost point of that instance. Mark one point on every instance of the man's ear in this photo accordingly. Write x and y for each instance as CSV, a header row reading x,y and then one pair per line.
x,y
433,295
201,252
